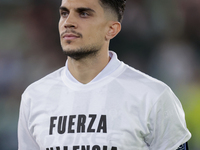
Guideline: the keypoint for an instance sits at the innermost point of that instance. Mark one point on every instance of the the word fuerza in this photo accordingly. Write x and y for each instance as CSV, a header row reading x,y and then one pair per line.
x,y
78,124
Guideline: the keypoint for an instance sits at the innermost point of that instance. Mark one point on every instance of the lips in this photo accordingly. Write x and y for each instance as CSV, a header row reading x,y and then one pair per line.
x,y
70,36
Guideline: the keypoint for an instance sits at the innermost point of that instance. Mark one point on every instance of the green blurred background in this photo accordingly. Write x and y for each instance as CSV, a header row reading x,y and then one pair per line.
x,y
159,37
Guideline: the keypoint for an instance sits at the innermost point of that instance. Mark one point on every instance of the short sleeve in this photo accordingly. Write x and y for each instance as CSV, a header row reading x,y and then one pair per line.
x,y
25,138
166,123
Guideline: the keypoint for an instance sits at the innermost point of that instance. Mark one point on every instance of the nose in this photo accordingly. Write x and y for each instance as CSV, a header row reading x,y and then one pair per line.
x,y
71,21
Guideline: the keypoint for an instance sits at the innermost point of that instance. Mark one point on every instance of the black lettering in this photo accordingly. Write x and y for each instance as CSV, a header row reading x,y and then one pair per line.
x,y
81,123
96,147
114,148
65,148
102,124
50,148
105,148
84,148
93,117
52,125
71,123
75,147
62,124
57,148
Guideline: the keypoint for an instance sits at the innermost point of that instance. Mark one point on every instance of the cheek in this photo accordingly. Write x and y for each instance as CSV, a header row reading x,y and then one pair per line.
x,y
97,33
95,36
60,26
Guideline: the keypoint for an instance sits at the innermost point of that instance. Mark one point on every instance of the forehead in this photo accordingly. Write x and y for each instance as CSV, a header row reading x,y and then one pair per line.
x,y
94,4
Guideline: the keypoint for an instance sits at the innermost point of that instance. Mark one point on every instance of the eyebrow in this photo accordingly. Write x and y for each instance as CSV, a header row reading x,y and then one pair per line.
x,y
80,9
63,8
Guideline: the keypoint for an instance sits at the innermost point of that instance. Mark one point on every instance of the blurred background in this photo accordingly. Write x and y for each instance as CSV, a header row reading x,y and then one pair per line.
x,y
159,37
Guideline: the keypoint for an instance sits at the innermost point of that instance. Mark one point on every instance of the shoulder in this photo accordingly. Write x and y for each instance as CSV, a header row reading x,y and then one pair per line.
x,y
42,85
140,83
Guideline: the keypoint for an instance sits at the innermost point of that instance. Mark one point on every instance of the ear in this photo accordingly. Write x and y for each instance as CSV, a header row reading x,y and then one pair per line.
x,y
113,30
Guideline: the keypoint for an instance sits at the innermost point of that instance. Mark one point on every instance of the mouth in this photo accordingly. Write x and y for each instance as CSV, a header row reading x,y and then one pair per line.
x,y
70,36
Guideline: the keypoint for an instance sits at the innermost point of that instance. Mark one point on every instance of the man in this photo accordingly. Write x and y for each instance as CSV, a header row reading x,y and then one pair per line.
x,y
97,102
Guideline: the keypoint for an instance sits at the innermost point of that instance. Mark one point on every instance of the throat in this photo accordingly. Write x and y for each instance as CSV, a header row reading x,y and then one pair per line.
x,y
84,76
85,70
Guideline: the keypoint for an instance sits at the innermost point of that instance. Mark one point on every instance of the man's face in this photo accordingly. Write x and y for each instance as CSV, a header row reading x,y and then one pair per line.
x,y
82,25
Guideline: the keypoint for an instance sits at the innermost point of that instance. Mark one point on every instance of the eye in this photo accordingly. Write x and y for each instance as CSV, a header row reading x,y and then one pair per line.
x,y
64,13
84,14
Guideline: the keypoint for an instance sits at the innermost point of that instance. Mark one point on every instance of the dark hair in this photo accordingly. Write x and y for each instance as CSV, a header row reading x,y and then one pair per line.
x,y
118,6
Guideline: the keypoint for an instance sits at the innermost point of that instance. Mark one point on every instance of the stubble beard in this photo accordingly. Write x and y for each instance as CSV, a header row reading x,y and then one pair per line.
x,y
82,52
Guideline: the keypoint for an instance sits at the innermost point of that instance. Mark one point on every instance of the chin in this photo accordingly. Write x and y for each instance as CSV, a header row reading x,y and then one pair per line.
x,y
81,52
70,47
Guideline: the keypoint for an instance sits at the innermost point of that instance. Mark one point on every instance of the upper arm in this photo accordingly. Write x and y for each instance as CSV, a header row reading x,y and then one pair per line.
x,y
167,123
183,147
25,138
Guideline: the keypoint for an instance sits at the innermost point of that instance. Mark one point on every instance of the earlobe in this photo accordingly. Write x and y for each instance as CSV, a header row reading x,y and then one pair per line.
x,y
114,29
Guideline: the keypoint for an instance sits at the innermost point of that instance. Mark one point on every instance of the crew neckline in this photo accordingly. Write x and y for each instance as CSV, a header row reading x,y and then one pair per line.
x,y
112,65
112,69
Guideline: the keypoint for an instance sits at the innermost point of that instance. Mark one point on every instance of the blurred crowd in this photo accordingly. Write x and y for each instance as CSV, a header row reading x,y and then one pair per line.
x,y
160,38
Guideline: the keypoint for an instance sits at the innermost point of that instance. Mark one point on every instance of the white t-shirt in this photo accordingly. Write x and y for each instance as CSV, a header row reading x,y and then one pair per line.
x,y
122,109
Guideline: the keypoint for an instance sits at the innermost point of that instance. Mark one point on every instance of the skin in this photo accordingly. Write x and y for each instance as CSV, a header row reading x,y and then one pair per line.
x,y
85,27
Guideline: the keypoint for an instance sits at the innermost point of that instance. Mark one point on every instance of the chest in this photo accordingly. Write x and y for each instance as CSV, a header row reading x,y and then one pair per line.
x,y
97,120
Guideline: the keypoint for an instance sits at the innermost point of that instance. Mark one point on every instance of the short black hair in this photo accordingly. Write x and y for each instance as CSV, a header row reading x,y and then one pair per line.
x,y
118,6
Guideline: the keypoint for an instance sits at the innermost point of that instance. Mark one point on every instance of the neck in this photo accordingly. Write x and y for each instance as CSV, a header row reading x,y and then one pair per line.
x,y
84,70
